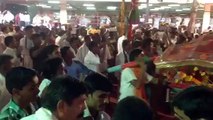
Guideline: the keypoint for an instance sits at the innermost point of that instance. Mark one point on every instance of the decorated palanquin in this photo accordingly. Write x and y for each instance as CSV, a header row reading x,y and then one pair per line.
x,y
188,64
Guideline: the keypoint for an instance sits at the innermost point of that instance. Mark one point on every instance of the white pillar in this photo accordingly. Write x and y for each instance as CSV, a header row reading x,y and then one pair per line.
x,y
206,20
63,12
206,16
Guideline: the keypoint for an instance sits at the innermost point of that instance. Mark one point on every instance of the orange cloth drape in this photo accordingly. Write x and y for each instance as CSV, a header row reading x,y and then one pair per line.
x,y
141,93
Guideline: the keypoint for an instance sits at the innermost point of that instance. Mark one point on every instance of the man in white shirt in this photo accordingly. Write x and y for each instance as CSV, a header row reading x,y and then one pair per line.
x,y
52,67
92,60
131,81
63,99
99,88
123,56
83,50
119,44
59,39
5,65
26,44
10,42
3,34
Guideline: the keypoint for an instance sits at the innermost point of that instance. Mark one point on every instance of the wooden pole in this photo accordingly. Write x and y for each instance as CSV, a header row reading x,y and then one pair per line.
x,y
191,25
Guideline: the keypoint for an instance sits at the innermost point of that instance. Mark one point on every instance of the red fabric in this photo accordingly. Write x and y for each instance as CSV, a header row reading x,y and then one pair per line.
x,y
140,93
130,36
180,86
162,116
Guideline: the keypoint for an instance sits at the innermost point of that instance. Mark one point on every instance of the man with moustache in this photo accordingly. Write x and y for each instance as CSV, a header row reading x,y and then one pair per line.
x,y
63,99
99,88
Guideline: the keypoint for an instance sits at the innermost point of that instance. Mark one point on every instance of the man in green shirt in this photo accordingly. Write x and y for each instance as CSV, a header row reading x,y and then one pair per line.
x,y
22,84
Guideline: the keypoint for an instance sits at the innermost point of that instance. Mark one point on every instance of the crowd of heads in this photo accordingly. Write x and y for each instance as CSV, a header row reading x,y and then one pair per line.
x,y
66,97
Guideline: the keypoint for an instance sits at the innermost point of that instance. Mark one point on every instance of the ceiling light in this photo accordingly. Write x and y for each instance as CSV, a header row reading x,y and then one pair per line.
x,y
69,7
165,7
91,8
174,5
111,7
186,8
43,5
154,9
53,2
88,5
46,6
142,4
178,10
146,4
141,7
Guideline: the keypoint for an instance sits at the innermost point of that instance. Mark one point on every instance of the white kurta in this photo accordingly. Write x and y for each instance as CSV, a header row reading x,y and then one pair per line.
x,y
82,52
92,61
41,114
120,58
120,42
127,89
26,46
13,53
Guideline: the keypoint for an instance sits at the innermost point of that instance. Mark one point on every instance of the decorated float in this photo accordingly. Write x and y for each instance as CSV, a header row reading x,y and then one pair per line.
x,y
188,64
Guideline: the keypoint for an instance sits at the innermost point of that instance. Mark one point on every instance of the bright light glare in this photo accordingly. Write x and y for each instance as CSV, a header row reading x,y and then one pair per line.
x,y
43,5
186,9
69,7
88,5
174,5
91,8
165,7
53,2
111,7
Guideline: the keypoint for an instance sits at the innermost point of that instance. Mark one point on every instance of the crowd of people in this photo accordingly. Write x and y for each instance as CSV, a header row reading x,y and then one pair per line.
x,y
56,75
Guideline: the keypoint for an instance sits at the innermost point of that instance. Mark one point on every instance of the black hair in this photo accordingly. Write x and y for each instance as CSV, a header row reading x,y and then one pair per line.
x,y
50,67
96,37
134,53
181,39
136,44
147,33
46,51
125,43
64,88
92,45
29,27
73,40
4,28
4,58
35,36
43,35
151,67
61,33
146,43
132,108
17,28
196,102
96,81
87,37
19,77
64,51
8,40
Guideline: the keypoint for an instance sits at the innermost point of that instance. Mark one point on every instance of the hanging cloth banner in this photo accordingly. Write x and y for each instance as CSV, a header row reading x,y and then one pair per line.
x,y
133,17
121,19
